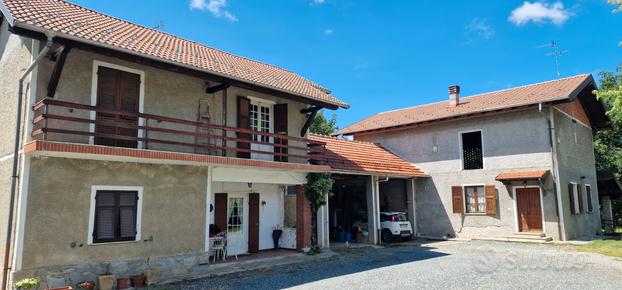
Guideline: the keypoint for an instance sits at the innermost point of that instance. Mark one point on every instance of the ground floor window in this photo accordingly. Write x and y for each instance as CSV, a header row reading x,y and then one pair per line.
x,y
235,215
475,199
115,215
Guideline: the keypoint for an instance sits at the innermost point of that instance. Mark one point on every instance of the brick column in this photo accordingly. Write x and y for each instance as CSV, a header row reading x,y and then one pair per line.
x,y
303,219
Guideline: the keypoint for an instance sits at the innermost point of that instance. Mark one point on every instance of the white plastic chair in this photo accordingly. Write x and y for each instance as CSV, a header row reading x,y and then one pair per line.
x,y
218,247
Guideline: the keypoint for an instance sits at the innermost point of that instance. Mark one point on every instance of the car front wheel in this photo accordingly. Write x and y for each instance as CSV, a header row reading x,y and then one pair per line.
x,y
386,236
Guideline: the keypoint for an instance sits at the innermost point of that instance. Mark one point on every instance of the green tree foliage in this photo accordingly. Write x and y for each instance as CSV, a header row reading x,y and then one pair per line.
x,y
323,126
608,144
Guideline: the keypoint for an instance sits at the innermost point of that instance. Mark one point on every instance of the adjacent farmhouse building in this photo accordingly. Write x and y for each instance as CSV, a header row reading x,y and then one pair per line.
x,y
506,164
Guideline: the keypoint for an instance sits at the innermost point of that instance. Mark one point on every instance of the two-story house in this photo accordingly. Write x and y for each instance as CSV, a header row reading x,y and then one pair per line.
x,y
124,143
515,163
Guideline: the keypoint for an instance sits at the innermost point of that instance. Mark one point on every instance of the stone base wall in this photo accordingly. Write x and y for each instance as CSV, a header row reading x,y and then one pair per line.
x,y
156,269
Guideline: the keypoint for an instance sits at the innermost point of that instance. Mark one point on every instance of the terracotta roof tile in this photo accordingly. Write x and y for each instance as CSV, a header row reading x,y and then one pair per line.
x,y
522,175
67,19
364,157
555,90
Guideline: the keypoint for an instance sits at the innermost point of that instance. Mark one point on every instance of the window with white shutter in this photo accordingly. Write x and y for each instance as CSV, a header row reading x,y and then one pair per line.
x,y
115,217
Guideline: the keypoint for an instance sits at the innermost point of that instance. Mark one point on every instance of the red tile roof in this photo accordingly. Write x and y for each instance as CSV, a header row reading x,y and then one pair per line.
x,y
363,157
522,175
556,90
75,22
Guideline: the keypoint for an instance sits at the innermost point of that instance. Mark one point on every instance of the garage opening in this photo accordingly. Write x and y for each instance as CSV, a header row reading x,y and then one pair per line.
x,y
348,210
396,212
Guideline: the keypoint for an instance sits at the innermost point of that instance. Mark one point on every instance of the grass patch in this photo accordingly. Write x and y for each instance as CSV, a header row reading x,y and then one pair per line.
x,y
609,247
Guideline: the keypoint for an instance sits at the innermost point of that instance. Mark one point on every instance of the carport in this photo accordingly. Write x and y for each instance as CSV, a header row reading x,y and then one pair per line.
x,y
368,179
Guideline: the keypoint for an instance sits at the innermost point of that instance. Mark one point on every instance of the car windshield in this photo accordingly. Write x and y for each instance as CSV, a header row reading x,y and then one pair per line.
x,y
401,217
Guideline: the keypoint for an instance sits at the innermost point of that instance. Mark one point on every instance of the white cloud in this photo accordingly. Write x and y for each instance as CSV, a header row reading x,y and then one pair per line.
x,y
329,31
216,7
540,12
318,2
480,27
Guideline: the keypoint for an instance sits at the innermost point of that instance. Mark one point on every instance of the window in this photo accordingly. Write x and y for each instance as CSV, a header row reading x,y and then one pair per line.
x,y
115,216
475,199
235,214
588,193
573,192
260,121
580,199
472,153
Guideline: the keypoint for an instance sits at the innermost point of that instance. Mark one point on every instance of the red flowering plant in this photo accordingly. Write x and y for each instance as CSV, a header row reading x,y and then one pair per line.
x,y
86,285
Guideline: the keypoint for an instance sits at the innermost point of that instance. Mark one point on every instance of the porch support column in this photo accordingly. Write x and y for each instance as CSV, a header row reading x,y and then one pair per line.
x,y
208,202
410,202
322,226
303,219
373,209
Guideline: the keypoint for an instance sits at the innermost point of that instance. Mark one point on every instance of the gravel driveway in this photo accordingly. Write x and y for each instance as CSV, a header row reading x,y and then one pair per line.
x,y
441,265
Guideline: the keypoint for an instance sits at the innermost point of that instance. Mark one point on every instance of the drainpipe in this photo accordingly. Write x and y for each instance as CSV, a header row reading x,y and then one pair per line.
x,y
16,148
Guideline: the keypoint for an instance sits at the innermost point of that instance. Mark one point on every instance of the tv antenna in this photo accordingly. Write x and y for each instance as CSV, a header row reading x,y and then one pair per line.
x,y
555,52
159,26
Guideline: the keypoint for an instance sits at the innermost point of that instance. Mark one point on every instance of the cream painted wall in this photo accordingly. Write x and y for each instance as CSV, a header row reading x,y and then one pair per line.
x,y
173,210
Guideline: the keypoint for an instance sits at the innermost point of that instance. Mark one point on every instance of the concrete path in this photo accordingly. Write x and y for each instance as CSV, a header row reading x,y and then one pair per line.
x,y
441,265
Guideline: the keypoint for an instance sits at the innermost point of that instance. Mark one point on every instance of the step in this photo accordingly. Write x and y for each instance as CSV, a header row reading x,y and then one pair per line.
x,y
529,234
516,238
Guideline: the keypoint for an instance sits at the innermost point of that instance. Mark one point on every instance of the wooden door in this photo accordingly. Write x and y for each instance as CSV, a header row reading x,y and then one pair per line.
x,y
220,211
117,91
529,209
253,222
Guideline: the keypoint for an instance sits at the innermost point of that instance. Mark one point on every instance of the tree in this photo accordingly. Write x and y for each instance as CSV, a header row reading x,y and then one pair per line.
x,y
608,144
323,126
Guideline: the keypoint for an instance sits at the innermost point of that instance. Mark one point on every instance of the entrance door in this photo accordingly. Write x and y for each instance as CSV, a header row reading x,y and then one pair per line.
x,y
253,222
237,223
529,209
117,91
261,120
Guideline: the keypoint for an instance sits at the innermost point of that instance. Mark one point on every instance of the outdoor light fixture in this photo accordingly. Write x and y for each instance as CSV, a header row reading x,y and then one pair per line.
x,y
250,184
263,202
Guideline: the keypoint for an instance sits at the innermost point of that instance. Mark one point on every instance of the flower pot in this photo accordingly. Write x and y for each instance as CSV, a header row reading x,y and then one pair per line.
x,y
276,235
138,281
122,283
105,282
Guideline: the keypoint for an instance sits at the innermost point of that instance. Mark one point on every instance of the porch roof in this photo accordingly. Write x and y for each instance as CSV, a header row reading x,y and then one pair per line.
x,y
69,21
522,175
363,158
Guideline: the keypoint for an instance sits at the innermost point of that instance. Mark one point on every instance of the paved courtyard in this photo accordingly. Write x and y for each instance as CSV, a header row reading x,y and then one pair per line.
x,y
441,265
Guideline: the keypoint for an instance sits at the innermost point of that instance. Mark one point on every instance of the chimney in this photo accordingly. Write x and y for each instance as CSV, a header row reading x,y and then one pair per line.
x,y
454,95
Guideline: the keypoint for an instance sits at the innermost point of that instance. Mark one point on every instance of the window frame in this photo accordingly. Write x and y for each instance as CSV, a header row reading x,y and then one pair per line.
x,y
461,146
464,198
92,209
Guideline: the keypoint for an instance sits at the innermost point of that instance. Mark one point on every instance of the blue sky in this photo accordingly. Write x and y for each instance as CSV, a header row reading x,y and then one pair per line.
x,y
385,55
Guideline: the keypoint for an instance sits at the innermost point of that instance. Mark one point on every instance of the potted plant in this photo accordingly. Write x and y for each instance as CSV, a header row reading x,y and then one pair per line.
x,y
138,281
86,285
122,282
276,235
25,284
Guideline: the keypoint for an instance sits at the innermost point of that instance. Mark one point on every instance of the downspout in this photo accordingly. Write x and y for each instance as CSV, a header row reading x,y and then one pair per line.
x,y
556,179
16,148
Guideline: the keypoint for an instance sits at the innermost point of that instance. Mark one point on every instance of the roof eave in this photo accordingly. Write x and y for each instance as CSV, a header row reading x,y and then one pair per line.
x,y
27,26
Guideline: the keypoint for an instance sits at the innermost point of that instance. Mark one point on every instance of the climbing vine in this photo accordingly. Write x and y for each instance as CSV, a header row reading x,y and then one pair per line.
x,y
317,188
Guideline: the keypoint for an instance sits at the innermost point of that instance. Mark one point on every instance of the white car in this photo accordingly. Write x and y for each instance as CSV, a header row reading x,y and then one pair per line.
x,y
393,225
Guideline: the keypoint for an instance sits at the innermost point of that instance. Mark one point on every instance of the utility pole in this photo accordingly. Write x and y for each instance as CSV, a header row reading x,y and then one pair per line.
x,y
555,52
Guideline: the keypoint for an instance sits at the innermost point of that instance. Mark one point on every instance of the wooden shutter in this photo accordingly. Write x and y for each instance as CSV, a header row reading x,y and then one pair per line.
x,y
280,127
491,200
573,209
220,211
105,216
244,122
457,198
580,198
253,222
127,215
588,191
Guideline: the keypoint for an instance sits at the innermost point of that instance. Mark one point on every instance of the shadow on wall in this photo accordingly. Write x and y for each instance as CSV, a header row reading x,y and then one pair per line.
x,y
432,217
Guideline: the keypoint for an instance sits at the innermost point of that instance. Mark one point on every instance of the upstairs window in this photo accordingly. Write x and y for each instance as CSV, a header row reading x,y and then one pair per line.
x,y
472,153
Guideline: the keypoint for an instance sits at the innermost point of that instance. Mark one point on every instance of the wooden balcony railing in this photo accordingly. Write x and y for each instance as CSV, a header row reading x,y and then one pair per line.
x,y
146,131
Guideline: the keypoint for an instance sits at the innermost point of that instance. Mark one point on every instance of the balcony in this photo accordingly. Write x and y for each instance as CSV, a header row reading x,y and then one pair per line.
x,y
68,122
